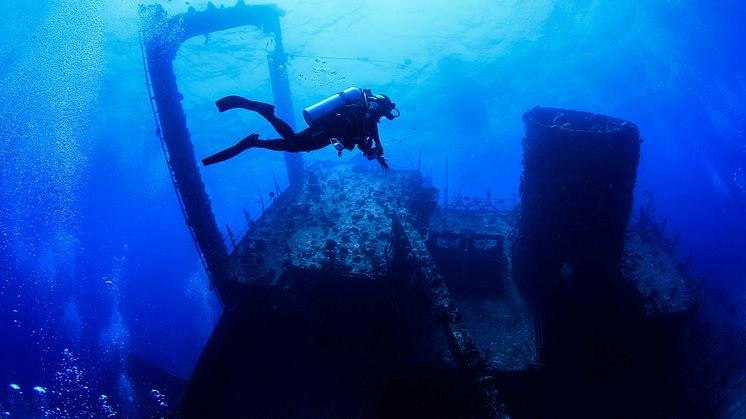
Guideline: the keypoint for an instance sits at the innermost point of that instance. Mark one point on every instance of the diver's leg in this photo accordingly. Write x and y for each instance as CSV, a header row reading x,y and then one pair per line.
x,y
232,151
294,145
281,127
264,109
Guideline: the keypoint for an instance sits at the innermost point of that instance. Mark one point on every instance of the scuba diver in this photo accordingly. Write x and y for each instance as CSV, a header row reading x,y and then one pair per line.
x,y
344,120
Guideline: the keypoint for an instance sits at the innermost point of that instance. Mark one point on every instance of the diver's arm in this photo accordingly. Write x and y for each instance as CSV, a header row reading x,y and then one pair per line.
x,y
378,149
376,139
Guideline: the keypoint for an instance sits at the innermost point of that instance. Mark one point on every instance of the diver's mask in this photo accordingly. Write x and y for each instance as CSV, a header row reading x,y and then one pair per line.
x,y
387,107
391,115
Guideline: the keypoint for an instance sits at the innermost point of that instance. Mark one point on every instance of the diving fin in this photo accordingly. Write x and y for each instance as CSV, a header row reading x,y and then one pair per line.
x,y
232,151
238,102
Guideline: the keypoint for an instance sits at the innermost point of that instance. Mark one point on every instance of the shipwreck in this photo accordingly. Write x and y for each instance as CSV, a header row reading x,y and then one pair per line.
x,y
357,295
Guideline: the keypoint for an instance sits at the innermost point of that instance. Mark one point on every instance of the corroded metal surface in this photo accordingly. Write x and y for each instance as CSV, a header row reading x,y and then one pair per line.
x,y
364,257
648,264
462,345
472,248
338,220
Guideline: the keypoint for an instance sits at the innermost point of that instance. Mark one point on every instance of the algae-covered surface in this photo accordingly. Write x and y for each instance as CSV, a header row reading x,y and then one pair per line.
x,y
339,219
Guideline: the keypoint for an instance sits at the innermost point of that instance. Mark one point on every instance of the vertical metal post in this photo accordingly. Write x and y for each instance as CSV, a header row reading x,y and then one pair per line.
x,y
283,100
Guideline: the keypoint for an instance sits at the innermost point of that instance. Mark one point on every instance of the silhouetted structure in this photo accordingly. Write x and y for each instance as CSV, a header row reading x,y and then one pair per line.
x,y
579,172
162,35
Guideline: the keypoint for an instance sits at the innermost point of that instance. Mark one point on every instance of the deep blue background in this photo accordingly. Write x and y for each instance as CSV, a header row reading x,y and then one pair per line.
x,y
94,253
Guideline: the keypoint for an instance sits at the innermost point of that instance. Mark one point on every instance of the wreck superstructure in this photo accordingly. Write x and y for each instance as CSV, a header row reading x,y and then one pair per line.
x,y
356,295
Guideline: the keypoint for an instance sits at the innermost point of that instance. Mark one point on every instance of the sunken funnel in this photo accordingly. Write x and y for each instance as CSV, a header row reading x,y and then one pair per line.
x,y
578,177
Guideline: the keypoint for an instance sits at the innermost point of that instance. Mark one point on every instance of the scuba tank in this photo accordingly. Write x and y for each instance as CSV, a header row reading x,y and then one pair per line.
x,y
333,105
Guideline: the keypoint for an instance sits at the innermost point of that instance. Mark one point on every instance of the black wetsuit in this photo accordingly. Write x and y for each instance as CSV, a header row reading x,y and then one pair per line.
x,y
353,126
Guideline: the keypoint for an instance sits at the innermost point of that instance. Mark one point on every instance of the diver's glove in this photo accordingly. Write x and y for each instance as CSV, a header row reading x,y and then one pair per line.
x,y
383,163
377,154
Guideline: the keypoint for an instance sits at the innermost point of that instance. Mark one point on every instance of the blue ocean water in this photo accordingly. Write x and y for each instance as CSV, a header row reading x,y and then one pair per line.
x,y
101,288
